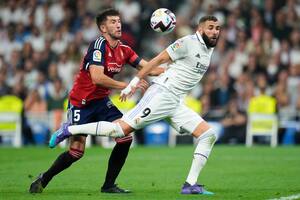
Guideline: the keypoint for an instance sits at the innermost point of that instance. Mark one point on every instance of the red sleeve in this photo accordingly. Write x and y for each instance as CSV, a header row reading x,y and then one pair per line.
x,y
132,58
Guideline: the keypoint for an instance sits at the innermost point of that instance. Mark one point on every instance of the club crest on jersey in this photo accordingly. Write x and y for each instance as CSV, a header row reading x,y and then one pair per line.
x,y
97,55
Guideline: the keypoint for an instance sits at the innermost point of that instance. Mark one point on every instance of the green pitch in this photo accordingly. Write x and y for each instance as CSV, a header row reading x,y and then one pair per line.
x,y
156,173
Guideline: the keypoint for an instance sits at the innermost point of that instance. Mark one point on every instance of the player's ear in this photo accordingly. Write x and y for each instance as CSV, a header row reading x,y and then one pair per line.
x,y
200,28
102,28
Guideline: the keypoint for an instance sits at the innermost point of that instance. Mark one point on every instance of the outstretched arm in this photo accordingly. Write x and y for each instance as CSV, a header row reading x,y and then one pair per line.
x,y
161,58
154,72
151,67
99,78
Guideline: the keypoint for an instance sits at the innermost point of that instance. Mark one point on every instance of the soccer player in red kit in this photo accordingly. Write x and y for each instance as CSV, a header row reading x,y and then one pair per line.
x,y
89,101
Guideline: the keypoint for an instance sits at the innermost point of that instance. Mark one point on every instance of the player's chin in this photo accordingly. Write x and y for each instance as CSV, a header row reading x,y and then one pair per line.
x,y
213,42
118,35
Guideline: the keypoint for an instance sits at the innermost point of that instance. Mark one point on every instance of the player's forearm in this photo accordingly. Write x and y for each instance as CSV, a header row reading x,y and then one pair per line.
x,y
163,57
157,61
108,82
149,67
156,71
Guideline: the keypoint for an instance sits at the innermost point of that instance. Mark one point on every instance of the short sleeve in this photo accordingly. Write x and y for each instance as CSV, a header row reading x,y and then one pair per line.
x,y
178,49
96,53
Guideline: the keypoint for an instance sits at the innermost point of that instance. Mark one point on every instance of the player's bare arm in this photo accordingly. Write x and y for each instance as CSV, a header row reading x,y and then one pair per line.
x,y
99,78
161,58
148,67
154,72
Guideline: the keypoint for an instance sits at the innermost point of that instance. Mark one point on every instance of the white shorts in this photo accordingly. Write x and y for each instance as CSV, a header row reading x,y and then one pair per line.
x,y
159,103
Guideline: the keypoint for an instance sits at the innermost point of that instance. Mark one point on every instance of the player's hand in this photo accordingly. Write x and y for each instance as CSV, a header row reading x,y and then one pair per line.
x,y
143,85
126,94
130,89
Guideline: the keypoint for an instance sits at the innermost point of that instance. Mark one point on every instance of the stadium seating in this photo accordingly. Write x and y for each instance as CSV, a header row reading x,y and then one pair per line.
x,y
262,120
262,125
10,118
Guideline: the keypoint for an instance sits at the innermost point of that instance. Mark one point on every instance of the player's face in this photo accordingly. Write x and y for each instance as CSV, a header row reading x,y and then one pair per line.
x,y
210,32
113,27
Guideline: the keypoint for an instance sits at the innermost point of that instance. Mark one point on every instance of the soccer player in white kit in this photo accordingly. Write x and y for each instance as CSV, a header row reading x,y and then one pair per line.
x,y
190,57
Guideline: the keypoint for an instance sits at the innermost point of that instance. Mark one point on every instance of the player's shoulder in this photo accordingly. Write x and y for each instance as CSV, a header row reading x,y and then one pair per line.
x,y
191,38
187,39
98,43
124,46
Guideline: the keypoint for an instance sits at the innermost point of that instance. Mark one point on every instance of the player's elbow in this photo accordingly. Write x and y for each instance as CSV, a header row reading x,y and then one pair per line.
x,y
97,74
97,80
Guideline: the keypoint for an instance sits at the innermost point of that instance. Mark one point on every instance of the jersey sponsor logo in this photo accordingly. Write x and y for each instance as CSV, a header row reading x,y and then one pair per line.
x,y
97,55
201,69
114,67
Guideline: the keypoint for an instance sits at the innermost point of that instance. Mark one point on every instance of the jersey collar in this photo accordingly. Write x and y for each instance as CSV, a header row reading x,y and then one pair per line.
x,y
200,38
112,46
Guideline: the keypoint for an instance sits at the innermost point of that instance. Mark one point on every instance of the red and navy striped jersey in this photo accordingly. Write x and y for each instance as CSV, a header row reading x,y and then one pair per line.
x,y
100,53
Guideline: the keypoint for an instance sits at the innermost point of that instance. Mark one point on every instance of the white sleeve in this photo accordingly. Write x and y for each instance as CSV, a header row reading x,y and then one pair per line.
x,y
178,49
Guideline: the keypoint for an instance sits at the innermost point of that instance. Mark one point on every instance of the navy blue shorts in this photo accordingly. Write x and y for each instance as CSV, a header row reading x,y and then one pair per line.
x,y
96,110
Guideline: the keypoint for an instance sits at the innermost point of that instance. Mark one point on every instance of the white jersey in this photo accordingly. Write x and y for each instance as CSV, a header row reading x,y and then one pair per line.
x,y
191,60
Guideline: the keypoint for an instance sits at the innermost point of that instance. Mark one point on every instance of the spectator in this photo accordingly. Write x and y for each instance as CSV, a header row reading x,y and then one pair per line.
x,y
269,12
4,89
36,40
130,11
31,74
66,69
281,29
234,125
223,92
34,103
58,95
295,47
59,44
57,11
89,29
12,13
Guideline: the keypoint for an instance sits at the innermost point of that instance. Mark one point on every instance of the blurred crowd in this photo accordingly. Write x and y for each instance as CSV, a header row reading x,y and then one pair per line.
x,y
43,41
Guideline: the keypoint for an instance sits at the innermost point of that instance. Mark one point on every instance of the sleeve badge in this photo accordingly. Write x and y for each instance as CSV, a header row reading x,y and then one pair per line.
x,y
97,55
176,45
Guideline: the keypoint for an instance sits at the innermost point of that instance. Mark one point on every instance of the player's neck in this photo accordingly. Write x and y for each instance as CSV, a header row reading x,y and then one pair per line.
x,y
112,42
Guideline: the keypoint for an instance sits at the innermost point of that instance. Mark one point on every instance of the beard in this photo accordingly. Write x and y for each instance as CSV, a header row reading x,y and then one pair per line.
x,y
210,42
115,36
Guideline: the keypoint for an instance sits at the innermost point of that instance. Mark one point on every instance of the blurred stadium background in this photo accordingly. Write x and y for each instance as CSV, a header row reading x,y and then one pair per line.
x,y
42,42
252,86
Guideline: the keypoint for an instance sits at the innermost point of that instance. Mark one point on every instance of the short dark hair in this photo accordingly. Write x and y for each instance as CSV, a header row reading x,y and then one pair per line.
x,y
207,18
101,17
